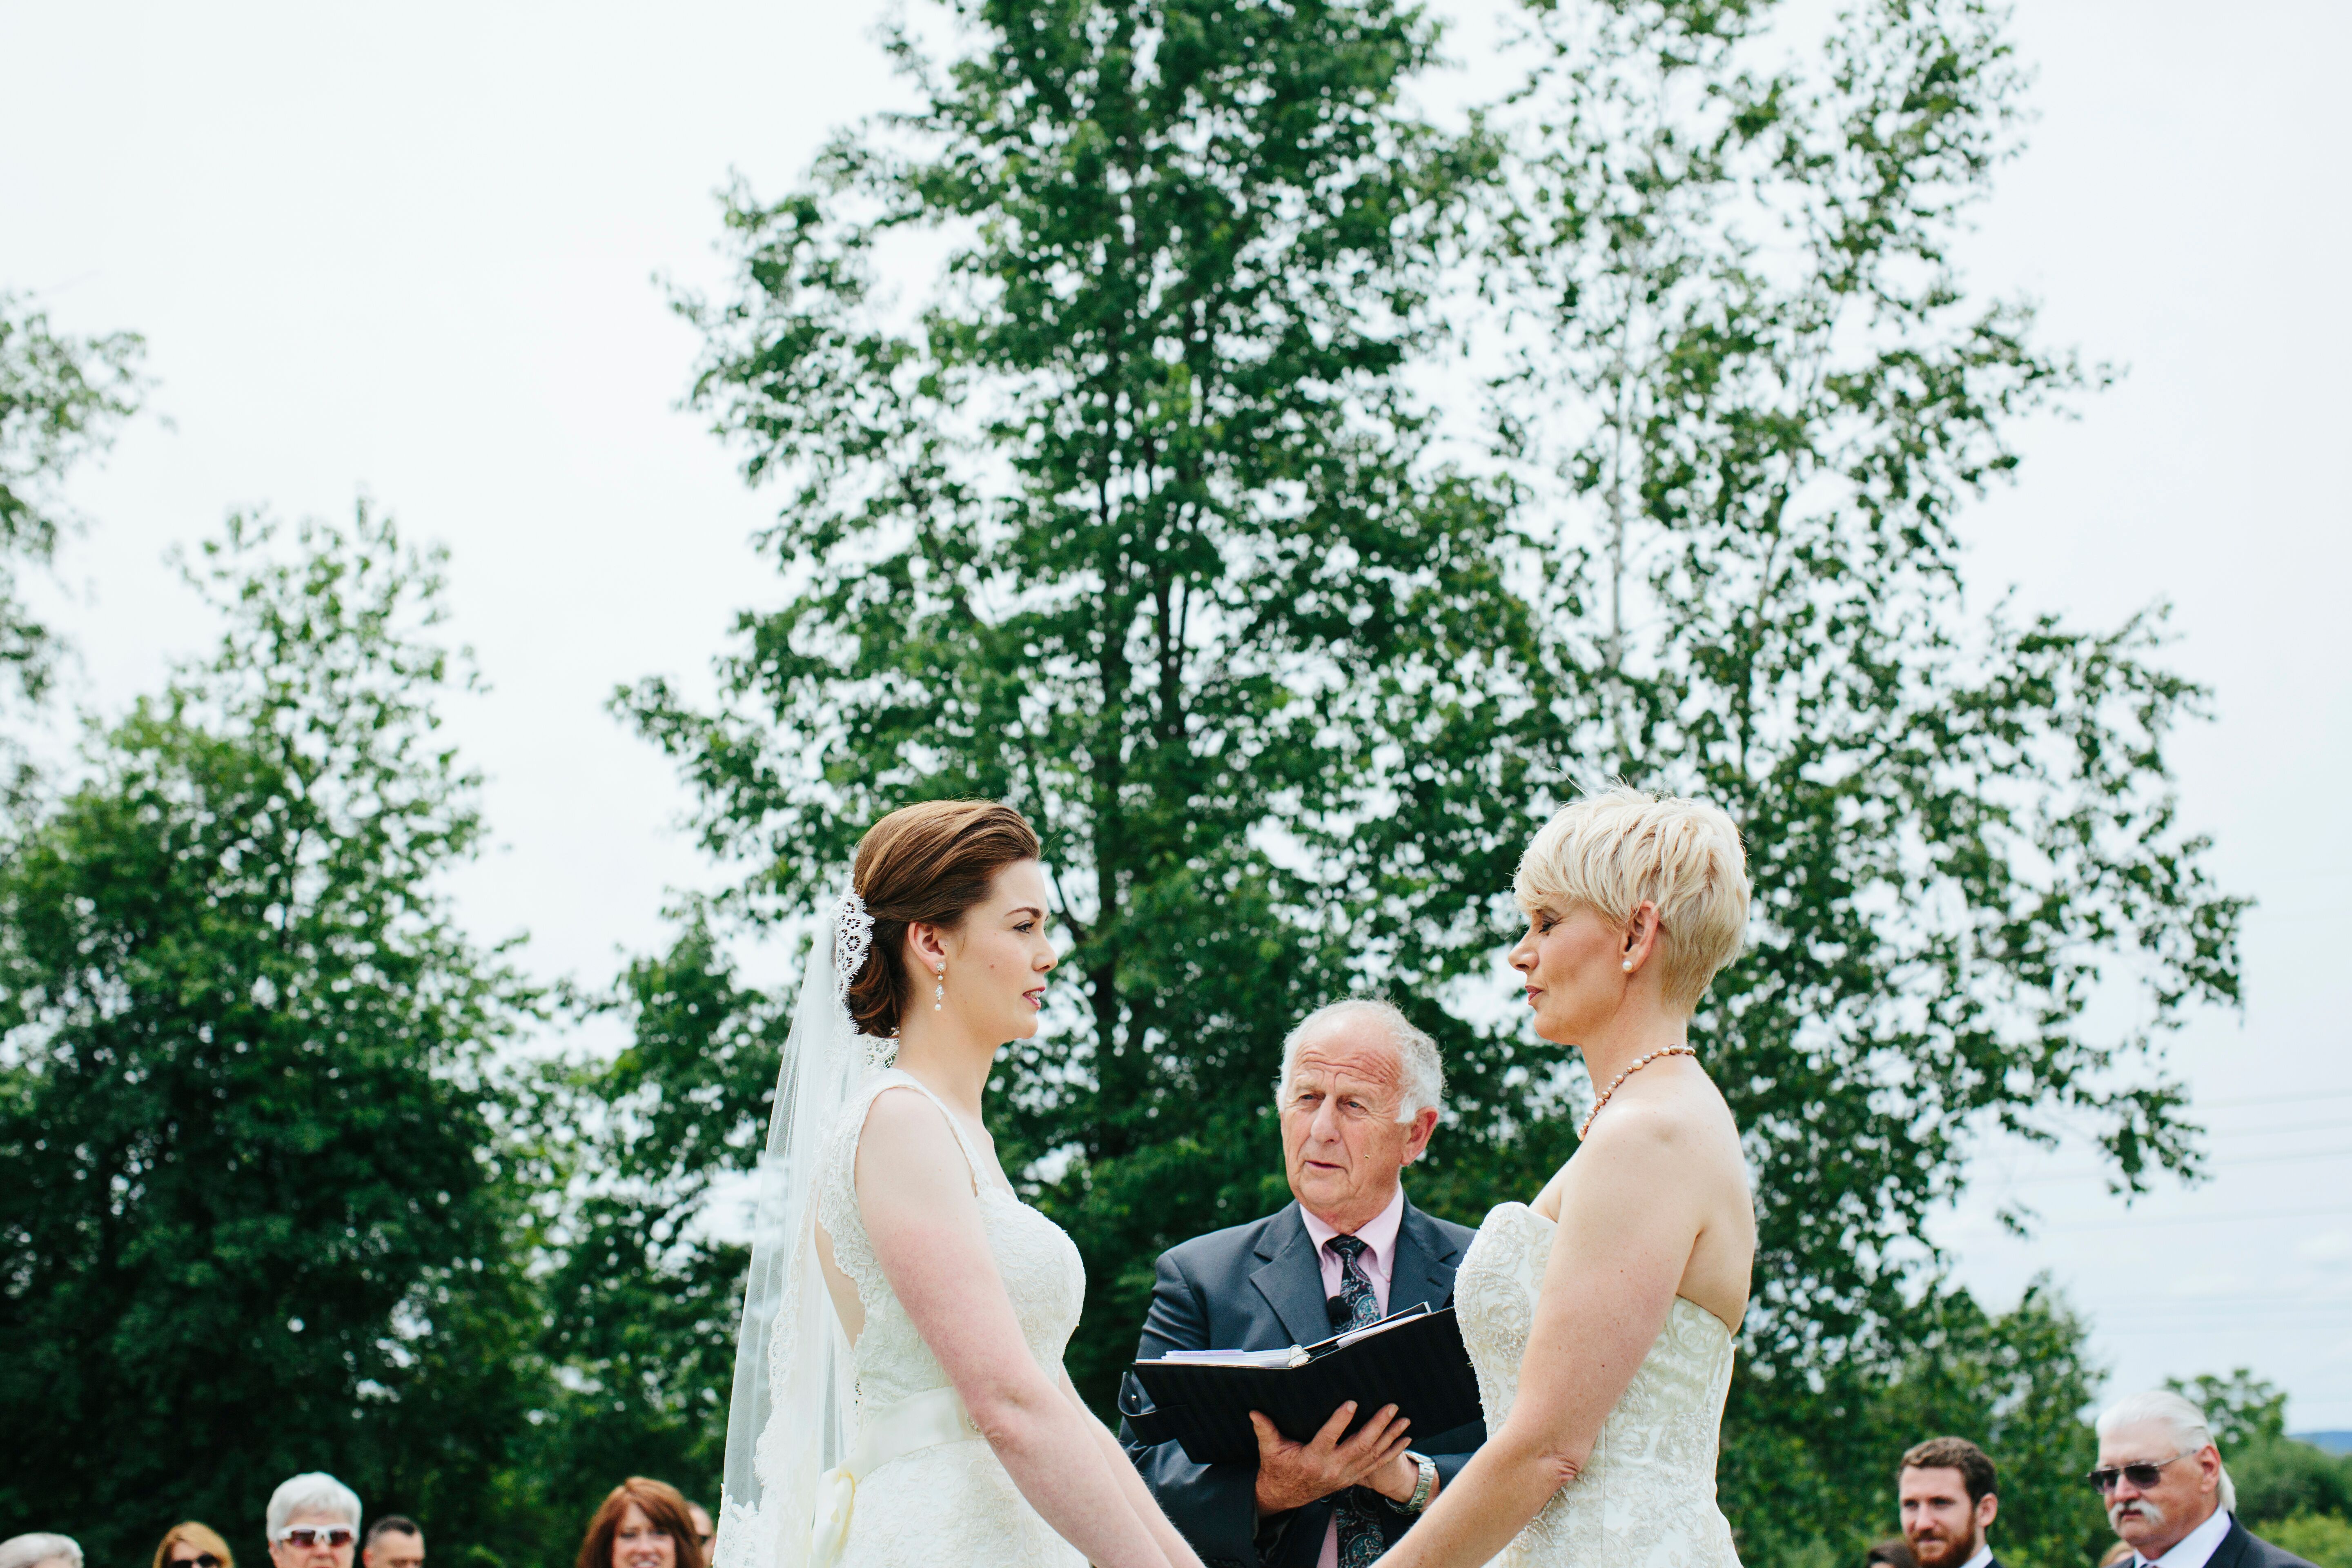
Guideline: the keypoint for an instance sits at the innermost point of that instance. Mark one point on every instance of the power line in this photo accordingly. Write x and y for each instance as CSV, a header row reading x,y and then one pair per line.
x,y
2210,1165
2336,1124
2271,1099
2220,1312
2207,1327
2133,1223
2340,1302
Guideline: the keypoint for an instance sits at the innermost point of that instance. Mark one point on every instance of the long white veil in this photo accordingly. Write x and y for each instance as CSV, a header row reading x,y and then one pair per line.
x,y
791,1418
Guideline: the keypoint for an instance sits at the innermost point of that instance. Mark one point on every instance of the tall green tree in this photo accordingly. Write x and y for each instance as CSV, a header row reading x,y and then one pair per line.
x,y
256,1218
1129,521
1745,396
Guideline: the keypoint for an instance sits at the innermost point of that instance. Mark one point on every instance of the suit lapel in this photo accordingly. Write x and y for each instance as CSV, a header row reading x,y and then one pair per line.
x,y
1425,1260
2233,1546
1290,1278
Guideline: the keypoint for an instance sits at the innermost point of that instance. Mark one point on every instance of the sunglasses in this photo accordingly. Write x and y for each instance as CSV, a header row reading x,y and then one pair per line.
x,y
205,1561
307,1535
2105,1478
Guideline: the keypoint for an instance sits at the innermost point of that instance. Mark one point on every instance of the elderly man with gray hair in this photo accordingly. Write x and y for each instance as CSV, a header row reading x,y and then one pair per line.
x,y
313,1522
1358,1094
40,1550
2168,1496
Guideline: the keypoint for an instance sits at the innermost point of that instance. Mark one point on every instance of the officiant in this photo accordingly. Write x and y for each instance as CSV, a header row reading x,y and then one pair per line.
x,y
1358,1094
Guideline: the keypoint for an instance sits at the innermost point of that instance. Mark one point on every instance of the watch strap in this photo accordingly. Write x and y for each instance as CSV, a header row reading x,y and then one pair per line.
x,y
1427,1484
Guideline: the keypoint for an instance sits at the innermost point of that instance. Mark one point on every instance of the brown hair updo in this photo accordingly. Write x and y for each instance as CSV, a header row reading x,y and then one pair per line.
x,y
933,863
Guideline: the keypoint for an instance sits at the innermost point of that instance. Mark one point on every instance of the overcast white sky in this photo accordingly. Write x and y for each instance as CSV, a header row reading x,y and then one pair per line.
x,y
409,251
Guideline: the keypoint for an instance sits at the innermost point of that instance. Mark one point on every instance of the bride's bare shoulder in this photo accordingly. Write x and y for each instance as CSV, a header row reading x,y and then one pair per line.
x,y
1674,1115
906,1141
1666,1137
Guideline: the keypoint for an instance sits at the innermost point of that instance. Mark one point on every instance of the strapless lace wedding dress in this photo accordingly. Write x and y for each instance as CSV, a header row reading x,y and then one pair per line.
x,y
1646,1498
930,1503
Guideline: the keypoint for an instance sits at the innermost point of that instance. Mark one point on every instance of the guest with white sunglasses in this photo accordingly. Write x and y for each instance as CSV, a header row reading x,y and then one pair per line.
x,y
314,1522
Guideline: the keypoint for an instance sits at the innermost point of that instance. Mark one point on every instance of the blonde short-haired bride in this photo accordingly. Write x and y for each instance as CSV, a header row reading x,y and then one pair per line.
x,y
1601,1317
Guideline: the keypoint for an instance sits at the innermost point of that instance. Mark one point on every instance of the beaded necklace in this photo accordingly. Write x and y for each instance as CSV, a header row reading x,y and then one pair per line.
x,y
1639,1063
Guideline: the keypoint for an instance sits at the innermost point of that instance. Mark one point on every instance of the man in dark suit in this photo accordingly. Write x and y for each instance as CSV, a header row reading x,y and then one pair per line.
x,y
1358,1094
2169,1495
1946,1492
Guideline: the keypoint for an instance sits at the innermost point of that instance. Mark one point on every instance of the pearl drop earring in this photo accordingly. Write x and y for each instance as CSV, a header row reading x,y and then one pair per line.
x,y
939,992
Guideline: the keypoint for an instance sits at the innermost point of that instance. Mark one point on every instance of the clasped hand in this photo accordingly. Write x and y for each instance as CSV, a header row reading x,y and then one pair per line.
x,y
1292,1475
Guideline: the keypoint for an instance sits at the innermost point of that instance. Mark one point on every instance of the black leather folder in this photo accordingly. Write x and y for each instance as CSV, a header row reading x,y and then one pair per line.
x,y
1411,1360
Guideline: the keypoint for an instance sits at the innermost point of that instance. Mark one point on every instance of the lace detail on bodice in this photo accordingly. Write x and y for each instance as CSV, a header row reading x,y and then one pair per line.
x,y
1646,1497
1036,1258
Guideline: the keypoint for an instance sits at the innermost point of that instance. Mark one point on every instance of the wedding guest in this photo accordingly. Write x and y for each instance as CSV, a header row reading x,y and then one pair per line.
x,y
2167,1491
705,1535
313,1520
193,1545
1892,1552
1359,1096
641,1524
1945,1487
40,1550
393,1542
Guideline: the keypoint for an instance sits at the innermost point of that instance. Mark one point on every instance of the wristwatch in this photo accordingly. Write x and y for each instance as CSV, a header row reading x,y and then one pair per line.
x,y
1428,1483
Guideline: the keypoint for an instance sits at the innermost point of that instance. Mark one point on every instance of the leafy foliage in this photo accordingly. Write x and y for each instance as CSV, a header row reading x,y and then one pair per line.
x,y
256,1222
640,1300
2323,1539
2278,1478
2240,1408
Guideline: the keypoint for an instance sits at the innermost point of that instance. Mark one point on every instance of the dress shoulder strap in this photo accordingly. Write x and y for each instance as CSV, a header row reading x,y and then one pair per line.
x,y
894,1077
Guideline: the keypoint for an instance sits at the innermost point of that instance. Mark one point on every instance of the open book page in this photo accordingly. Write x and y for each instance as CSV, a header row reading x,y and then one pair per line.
x,y
1231,1358
1289,1356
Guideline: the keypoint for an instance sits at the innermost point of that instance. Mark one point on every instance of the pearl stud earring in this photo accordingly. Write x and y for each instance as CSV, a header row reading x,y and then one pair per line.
x,y
1629,966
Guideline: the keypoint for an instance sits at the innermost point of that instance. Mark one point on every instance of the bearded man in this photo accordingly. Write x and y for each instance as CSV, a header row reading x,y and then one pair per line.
x,y
1945,1487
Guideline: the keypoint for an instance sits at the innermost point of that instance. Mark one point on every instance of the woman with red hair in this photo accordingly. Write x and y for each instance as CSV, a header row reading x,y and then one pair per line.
x,y
641,1524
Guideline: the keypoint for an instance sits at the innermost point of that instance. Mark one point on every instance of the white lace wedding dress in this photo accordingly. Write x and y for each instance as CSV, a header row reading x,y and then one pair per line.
x,y
947,1501
1646,1497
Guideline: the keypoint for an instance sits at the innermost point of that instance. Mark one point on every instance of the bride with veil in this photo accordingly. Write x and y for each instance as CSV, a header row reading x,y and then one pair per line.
x,y
899,1395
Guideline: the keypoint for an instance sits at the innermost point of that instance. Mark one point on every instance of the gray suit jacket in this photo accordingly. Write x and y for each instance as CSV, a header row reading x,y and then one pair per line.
x,y
1259,1287
2242,1548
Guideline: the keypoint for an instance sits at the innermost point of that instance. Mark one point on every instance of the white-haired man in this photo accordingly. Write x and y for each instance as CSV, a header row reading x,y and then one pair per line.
x,y
313,1522
2168,1493
1358,1093
40,1550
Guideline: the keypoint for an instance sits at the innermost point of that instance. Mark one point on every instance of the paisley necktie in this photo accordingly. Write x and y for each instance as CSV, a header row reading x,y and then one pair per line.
x,y
1360,1541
